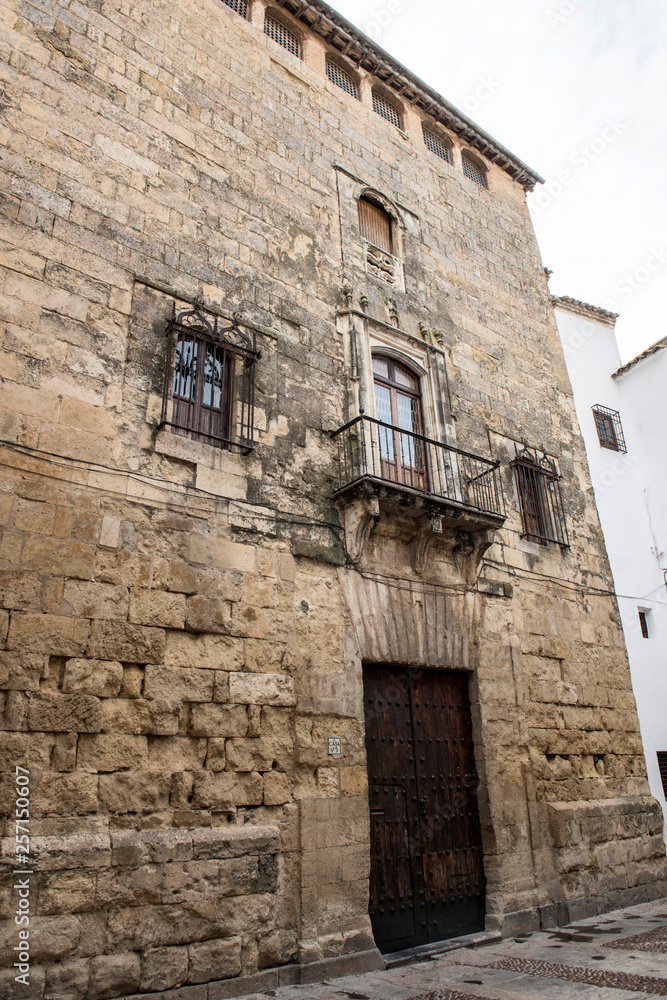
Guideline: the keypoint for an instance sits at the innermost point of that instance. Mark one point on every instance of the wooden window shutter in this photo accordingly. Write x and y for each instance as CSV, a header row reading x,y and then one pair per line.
x,y
376,225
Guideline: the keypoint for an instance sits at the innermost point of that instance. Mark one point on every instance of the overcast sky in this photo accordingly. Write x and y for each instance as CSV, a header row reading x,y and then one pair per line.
x,y
577,89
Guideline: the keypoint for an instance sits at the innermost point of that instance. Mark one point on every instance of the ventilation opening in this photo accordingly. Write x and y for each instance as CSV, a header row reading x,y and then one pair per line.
x,y
436,144
282,35
473,172
383,107
342,79
240,6
662,764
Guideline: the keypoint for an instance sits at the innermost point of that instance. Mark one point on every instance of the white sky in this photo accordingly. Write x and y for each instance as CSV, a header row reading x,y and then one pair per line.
x,y
575,86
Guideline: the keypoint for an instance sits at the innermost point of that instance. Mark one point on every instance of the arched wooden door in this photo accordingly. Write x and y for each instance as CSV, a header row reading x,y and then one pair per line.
x,y
398,406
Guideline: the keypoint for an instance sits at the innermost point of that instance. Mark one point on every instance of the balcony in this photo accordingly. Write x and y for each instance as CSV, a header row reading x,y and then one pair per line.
x,y
418,475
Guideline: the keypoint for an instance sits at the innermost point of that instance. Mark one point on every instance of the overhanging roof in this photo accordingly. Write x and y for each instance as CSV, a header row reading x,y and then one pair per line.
x,y
661,345
364,52
584,309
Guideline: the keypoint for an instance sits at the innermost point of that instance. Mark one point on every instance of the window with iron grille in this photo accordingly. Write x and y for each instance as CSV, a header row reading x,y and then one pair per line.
x,y
643,624
662,764
381,106
472,171
240,6
282,35
209,383
436,144
609,428
342,79
538,486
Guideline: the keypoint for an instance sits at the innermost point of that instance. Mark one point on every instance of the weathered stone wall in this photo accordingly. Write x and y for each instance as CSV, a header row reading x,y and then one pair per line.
x,y
181,629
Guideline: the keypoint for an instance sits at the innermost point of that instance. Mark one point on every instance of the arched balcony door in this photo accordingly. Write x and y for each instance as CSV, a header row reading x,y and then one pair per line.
x,y
398,407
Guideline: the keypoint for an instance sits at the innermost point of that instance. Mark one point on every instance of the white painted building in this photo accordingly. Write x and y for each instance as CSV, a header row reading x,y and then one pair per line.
x,y
622,410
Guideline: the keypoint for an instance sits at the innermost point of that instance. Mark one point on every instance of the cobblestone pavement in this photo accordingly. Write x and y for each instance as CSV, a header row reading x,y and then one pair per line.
x,y
617,956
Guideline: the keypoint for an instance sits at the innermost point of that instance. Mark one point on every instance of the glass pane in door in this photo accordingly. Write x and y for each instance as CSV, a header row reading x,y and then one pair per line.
x,y
383,410
406,407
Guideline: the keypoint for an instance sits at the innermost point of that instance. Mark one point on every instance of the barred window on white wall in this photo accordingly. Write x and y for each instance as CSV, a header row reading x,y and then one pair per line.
x,y
383,107
342,79
240,6
282,35
436,144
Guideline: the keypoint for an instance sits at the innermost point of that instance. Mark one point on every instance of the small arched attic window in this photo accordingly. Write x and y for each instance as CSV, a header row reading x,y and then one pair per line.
x,y
240,6
436,144
376,225
281,34
473,171
342,78
387,110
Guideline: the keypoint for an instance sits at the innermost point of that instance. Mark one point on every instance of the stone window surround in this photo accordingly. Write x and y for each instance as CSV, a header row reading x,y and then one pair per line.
x,y
378,338
314,53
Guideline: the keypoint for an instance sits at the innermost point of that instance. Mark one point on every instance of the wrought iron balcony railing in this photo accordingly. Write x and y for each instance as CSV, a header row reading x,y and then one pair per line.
x,y
371,449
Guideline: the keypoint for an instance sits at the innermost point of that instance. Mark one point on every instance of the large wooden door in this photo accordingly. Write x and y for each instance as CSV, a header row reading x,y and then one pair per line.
x,y
427,877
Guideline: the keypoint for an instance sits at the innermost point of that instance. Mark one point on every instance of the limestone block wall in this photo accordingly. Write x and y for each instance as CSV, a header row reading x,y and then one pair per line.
x,y
183,627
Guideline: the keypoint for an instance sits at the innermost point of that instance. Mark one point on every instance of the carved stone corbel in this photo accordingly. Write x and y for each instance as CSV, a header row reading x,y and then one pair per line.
x,y
360,518
469,551
421,549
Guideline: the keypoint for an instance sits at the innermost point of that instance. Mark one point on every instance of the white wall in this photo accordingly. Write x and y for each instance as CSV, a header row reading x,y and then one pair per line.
x,y
631,494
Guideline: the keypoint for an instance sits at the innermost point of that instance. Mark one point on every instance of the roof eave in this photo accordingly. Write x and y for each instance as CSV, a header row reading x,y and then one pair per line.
x,y
401,80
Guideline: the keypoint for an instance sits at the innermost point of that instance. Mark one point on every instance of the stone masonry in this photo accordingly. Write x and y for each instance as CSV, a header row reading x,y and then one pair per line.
x,y
183,627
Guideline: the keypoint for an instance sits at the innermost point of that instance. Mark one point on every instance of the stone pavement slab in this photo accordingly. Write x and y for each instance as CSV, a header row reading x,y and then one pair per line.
x,y
617,956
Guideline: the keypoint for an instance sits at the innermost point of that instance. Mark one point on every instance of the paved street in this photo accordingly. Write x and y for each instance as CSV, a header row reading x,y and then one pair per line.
x,y
612,957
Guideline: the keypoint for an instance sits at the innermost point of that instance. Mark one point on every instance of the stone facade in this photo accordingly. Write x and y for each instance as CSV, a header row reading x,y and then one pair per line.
x,y
184,626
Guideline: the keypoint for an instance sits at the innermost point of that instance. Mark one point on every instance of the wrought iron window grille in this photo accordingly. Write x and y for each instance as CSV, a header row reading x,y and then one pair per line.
x,y
281,34
643,624
384,108
342,79
662,764
240,6
540,499
209,381
609,428
473,172
436,145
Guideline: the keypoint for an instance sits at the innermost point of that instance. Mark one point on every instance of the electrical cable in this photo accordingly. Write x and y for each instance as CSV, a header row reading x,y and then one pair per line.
x,y
270,513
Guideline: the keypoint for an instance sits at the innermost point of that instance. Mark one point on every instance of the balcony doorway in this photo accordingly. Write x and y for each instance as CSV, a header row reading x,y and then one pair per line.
x,y
398,408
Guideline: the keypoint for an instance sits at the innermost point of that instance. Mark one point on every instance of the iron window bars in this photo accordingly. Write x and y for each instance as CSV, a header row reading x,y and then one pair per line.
x,y
643,624
342,79
209,382
436,145
538,486
383,107
662,764
282,35
473,172
240,6
609,428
